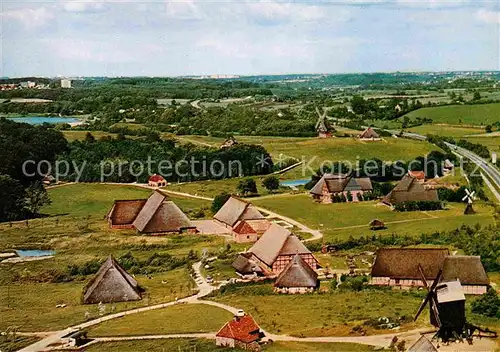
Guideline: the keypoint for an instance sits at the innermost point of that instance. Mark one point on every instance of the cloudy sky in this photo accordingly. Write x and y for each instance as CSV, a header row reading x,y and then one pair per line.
x,y
193,37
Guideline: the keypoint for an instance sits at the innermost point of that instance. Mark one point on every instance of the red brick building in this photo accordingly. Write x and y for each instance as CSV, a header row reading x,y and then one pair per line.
x,y
241,332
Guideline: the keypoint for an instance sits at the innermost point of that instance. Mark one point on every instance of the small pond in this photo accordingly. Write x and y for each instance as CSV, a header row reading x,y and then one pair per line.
x,y
38,120
34,252
294,183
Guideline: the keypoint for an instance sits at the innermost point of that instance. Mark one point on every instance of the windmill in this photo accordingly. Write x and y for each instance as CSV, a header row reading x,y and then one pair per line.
x,y
323,125
447,310
469,199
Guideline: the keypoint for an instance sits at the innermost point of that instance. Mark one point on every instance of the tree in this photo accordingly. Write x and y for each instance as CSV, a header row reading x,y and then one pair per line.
x,y
488,304
476,96
271,183
219,201
89,137
11,199
247,186
36,197
489,129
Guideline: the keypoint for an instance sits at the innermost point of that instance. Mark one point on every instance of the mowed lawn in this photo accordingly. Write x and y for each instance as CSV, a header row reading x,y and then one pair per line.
x,y
178,319
85,199
477,115
341,220
445,131
315,151
32,307
326,314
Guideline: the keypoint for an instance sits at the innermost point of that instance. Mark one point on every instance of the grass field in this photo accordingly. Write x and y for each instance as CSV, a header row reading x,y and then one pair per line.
x,y
477,115
341,220
190,345
80,135
315,151
182,318
446,131
32,307
492,143
80,234
326,314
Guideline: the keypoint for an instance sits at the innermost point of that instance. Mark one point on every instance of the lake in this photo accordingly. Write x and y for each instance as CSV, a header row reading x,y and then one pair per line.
x,y
38,120
34,252
294,183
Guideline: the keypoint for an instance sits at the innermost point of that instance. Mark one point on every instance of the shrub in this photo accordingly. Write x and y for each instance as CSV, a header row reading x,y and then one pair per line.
x,y
420,205
488,304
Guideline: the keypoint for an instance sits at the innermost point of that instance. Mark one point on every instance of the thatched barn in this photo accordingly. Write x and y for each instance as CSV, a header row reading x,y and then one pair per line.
x,y
296,277
277,247
422,345
369,135
331,186
409,189
111,284
235,211
377,224
155,215
399,267
246,266
229,142
160,216
124,212
469,271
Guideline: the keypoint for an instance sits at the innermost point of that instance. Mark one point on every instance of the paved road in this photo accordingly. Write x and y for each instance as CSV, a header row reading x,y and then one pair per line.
x,y
489,169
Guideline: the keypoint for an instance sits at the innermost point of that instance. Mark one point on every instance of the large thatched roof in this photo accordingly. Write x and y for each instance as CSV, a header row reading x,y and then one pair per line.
x,y
277,241
336,183
236,209
409,189
124,212
297,274
369,133
402,263
111,284
468,269
160,215
422,345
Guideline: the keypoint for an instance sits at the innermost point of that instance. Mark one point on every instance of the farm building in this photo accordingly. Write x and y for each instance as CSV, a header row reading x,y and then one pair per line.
x,y
241,332
296,277
409,189
323,126
277,247
419,175
332,186
235,211
377,224
246,266
111,284
159,216
243,232
157,181
229,142
399,267
124,212
155,215
369,135
422,345
469,271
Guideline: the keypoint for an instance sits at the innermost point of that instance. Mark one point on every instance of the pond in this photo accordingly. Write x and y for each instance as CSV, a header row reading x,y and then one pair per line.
x,y
34,252
38,120
294,183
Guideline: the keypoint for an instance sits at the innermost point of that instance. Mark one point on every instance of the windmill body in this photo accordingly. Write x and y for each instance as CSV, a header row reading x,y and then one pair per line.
x,y
450,300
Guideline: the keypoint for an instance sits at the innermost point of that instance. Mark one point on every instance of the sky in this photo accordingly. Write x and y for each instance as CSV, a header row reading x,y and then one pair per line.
x,y
245,37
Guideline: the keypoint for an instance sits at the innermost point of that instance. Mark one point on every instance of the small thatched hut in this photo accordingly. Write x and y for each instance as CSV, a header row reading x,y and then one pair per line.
x,y
111,284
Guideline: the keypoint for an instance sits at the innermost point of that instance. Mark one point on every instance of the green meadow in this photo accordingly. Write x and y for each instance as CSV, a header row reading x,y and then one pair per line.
x,y
476,115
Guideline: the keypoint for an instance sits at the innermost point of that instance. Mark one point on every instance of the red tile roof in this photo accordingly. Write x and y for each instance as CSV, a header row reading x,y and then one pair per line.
x,y
243,329
243,228
419,175
156,178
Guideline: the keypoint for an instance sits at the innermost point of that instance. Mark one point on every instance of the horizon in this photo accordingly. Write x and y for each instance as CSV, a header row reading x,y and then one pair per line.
x,y
96,38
